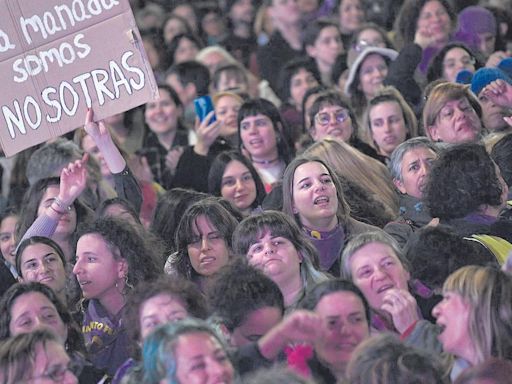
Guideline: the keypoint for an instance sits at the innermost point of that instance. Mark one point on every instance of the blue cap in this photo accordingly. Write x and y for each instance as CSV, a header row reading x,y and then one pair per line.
x,y
485,76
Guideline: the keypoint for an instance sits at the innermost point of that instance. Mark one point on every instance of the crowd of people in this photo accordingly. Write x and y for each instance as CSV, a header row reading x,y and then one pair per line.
x,y
342,215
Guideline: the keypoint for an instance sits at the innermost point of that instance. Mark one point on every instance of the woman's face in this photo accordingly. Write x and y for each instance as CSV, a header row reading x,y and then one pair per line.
x,y
226,111
51,358
332,121
276,256
172,28
457,122
327,47
33,310
415,167
452,315
99,274
372,73
162,115
314,196
455,60
255,325
7,242
259,137
200,359
434,21
160,309
67,222
187,50
89,146
238,186
208,252
387,126
351,16
376,269
299,84
41,263
345,327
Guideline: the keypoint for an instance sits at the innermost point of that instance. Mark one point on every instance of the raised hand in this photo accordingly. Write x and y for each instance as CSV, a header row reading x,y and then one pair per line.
x,y
206,134
402,307
498,92
73,180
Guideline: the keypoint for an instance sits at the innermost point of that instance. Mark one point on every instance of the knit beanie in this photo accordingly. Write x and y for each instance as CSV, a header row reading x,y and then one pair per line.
x,y
506,66
485,76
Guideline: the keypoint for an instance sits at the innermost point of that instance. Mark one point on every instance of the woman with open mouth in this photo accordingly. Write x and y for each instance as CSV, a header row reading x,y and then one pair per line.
x,y
374,262
317,204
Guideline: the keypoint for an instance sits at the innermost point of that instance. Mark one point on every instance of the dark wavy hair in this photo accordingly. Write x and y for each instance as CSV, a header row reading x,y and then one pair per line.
x,y
128,243
407,19
238,290
501,153
217,172
461,180
74,341
220,219
290,69
172,46
435,68
253,107
179,289
169,210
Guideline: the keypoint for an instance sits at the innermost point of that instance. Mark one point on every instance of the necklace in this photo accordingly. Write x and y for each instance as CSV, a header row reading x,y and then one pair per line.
x,y
265,161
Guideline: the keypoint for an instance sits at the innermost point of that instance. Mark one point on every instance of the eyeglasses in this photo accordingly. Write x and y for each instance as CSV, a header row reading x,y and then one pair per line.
x,y
324,118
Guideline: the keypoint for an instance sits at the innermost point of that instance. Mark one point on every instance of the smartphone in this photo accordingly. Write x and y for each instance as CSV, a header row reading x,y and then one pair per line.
x,y
203,106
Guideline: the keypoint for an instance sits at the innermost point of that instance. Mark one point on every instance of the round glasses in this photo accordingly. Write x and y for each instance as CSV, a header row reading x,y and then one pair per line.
x,y
324,118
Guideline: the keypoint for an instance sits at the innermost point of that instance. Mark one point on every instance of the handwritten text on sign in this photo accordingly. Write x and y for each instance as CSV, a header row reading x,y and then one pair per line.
x,y
60,57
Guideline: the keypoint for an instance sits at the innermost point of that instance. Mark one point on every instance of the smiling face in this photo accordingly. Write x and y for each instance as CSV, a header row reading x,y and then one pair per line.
x,y
200,359
375,268
41,263
277,257
159,309
457,122
97,270
33,310
67,222
259,137
416,165
372,73
345,324
238,186
435,20
7,242
314,196
208,251
452,315
387,126
332,121
226,111
162,115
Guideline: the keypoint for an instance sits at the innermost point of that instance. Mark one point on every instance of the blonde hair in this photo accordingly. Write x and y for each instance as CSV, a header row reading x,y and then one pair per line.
x,y
489,294
388,94
358,168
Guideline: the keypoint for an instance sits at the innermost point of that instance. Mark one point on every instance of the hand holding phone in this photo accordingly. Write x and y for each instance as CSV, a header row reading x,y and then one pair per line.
x,y
203,106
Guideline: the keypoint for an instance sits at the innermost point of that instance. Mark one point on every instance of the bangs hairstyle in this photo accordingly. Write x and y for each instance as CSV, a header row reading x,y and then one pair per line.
x,y
442,94
218,168
218,216
253,107
343,211
488,291
329,99
253,228
290,69
386,95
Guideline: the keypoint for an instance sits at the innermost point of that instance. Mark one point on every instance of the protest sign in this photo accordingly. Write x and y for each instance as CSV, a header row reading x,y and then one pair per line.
x,y
60,57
